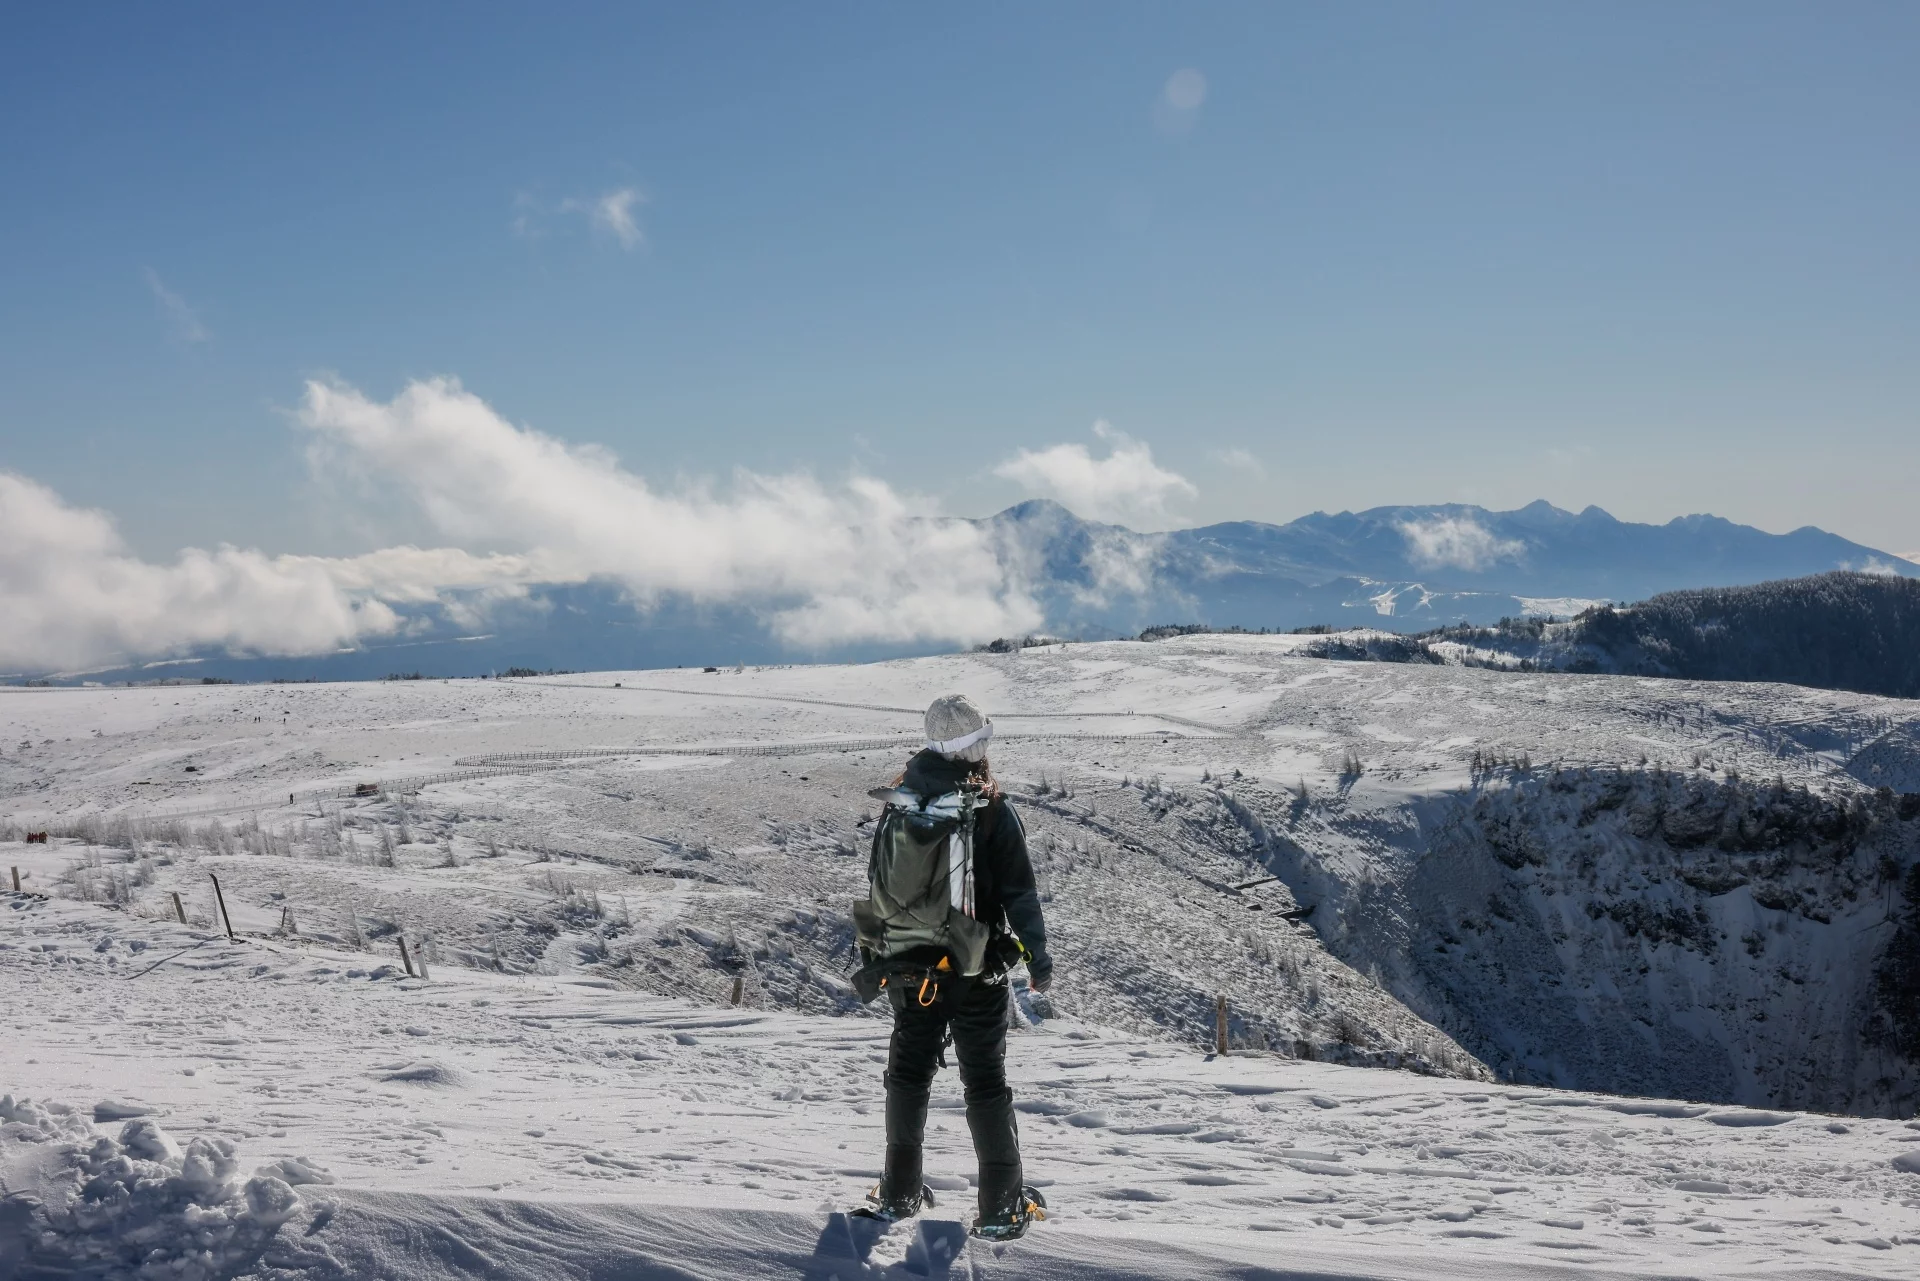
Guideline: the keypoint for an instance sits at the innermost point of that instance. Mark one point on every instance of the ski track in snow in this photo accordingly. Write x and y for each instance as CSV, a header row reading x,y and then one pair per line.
x,y
559,1121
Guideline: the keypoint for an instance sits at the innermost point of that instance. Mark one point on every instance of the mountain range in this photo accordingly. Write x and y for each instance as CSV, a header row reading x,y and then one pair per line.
x,y
1408,569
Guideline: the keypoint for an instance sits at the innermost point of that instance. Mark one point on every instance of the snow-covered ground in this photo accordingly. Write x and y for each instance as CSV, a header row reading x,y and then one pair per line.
x,y
637,1109
572,1092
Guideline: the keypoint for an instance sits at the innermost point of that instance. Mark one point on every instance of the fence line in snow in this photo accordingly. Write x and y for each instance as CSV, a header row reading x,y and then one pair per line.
x,y
499,764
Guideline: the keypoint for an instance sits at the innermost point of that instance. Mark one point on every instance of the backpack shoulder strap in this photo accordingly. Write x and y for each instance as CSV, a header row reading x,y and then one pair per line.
x,y
898,797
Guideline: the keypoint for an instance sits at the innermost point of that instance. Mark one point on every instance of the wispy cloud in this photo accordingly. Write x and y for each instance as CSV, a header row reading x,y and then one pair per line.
x,y
525,222
612,212
615,214
1457,542
1177,107
1126,485
181,319
1239,460
1874,565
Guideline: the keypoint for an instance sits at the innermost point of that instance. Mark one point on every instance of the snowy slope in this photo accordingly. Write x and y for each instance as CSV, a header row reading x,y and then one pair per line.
x,y
591,884
489,1124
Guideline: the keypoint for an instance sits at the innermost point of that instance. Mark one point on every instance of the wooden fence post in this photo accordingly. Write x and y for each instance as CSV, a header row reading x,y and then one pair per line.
x,y
178,910
16,880
1220,1025
739,987
406,959
420,960
221,899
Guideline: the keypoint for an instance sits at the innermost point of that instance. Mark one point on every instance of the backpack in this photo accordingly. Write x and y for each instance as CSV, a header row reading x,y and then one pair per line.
x,y
920,880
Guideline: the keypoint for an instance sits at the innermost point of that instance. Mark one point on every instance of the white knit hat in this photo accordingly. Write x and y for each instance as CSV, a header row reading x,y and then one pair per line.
x,y
957,729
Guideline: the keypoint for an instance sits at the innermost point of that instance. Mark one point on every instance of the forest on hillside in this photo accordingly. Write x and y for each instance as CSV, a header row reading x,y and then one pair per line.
x,y
1841,630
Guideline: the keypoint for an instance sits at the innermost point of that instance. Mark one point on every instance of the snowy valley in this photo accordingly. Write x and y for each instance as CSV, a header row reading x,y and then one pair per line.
x,y
1525,974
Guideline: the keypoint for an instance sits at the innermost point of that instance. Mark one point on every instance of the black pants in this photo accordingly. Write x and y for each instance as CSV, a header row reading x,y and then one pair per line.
x,y
977,1013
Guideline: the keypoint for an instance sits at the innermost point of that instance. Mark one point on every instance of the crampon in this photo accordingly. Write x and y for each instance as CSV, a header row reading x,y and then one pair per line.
x,y
1012,1223
892,1209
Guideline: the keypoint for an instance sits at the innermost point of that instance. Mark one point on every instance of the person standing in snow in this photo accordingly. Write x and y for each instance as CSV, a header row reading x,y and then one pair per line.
x,y
952,910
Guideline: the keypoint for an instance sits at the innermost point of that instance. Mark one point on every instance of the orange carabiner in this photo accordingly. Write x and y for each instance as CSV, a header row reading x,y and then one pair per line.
x,y
925,983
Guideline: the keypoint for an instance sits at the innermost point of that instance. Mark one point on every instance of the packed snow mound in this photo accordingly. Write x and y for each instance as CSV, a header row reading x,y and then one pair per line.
x,y
80,1203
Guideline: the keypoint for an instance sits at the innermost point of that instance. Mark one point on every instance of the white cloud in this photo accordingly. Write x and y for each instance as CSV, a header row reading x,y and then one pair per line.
x,y
1125,486
826,565
823,564
72,596
182,321
853,562
1874,565
613,213
1912,556
1457,542
1178,105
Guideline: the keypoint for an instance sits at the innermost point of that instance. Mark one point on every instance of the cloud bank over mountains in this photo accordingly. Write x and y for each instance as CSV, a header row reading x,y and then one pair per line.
x,y
825,564
844,563
1125,486
1459,542
530,527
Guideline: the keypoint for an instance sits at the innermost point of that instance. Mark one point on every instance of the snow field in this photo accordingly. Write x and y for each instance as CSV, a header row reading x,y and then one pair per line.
x,y
562,1089
1318,841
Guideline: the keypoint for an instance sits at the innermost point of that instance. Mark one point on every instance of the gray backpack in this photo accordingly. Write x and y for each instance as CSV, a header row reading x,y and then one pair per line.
x,y
921,880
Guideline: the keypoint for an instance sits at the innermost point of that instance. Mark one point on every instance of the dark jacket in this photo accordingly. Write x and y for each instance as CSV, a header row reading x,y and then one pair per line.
x,y
1004,892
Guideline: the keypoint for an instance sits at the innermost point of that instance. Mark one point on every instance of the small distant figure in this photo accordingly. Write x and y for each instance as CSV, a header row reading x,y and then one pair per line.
x,y
952,910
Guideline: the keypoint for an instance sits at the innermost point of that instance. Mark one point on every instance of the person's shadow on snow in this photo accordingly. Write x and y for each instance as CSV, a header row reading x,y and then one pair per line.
x,y
846,1241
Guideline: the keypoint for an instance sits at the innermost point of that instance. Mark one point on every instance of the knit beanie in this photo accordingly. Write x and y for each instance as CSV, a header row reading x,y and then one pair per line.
x,y
957,729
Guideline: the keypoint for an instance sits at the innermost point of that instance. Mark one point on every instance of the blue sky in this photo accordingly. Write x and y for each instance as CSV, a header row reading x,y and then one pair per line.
x,y
1659,257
